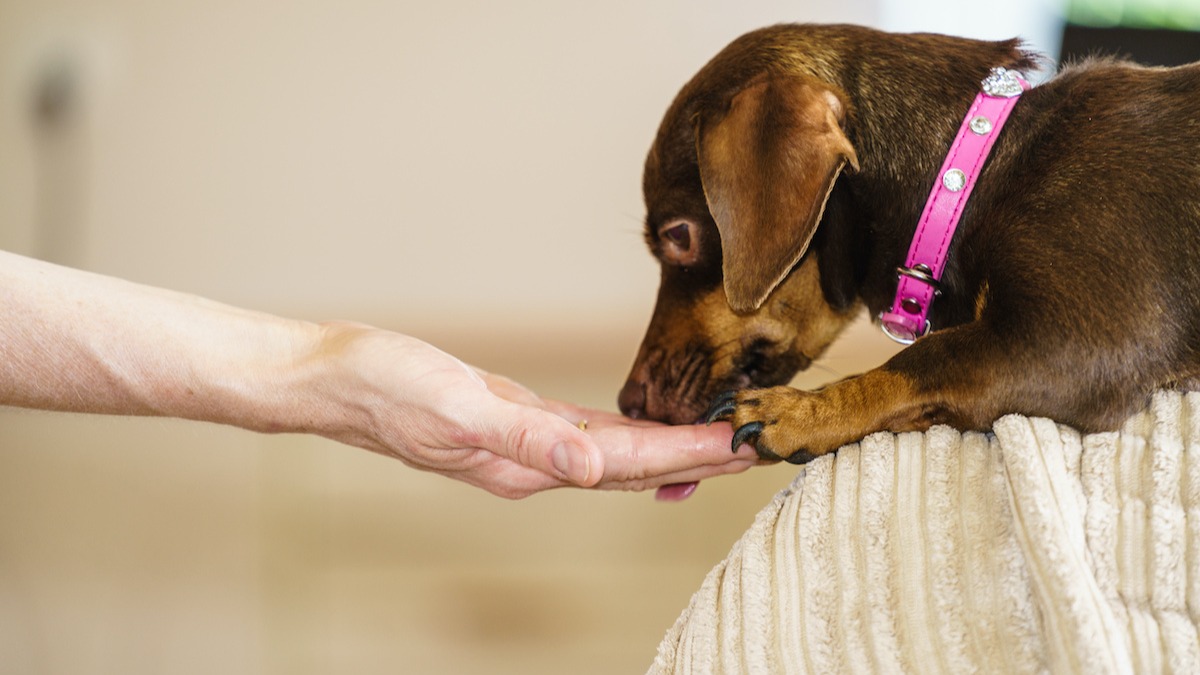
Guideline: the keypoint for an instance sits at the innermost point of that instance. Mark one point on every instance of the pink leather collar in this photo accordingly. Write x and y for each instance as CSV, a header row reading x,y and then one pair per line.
x,y
907,319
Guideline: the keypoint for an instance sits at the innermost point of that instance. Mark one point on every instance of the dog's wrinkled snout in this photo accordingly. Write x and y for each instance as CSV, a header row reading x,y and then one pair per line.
x,y
632,399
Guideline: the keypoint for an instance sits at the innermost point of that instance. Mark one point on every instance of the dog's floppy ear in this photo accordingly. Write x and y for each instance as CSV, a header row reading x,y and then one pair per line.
x,y
767,166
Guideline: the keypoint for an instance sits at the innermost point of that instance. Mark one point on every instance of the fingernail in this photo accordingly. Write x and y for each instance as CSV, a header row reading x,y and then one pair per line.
x,y
571,462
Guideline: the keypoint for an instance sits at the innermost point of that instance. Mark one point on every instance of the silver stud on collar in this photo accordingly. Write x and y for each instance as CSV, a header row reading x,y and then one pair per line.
x,y
954,180
1002,83
980,126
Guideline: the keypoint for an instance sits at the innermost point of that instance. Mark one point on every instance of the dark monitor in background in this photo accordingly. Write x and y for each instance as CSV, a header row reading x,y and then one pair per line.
x,y
1151,32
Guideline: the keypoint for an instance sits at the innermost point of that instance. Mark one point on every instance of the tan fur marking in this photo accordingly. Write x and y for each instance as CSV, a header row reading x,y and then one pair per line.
x,y
981,300
795,318
820,422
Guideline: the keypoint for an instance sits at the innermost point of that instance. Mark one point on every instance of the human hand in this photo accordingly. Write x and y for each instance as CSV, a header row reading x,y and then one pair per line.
x,y
435,413
641,453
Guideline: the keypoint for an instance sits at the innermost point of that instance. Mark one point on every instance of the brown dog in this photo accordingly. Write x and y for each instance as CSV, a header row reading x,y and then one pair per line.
x,y
785,185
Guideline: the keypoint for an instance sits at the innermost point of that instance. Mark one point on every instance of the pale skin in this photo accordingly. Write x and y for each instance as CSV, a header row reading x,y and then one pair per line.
x,y
82,342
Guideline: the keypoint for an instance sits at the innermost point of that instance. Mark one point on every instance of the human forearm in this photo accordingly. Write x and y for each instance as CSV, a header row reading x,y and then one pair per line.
x,y
89,343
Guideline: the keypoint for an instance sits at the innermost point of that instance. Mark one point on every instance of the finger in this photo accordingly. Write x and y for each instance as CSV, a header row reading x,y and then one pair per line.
x,y
505,478
540,440
511,390
594,416
692,475
637,453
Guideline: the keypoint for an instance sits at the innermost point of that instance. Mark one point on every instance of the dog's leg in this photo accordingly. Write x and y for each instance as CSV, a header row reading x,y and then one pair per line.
x,y
964,376
783,423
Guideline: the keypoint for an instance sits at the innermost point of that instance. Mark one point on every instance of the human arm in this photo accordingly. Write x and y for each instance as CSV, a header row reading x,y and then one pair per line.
x,y
77,341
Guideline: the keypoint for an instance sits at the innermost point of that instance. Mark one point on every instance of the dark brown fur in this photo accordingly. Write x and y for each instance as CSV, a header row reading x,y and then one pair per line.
x,y
1072,288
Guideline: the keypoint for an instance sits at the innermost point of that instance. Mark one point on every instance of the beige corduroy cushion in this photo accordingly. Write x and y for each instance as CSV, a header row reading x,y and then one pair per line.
x,y
1033,549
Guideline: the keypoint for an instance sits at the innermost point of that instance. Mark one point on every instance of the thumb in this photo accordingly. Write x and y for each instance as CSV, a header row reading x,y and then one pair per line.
x,y
544,441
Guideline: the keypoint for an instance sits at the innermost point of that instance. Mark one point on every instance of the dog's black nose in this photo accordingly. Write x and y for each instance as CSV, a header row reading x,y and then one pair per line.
x,y
632,399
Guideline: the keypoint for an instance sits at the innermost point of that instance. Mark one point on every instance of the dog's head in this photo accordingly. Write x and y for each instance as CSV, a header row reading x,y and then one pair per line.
x,y
735,185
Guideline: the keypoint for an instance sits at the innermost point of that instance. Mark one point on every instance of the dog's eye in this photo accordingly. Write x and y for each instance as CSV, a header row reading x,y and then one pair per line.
x,y
678,235
678,244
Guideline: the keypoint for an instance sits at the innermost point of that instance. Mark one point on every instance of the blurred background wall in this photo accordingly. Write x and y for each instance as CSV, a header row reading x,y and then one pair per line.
x,y
467,172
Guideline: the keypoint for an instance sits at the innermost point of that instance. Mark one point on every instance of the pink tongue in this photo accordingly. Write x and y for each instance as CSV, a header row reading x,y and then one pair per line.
x,y
675,492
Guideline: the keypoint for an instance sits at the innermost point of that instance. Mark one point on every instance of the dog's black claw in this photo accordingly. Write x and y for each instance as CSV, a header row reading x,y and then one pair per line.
x,y
746,432
722,407
720,411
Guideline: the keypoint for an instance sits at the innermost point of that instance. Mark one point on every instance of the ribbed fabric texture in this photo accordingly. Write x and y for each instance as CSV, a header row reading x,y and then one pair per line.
x,y
1030,550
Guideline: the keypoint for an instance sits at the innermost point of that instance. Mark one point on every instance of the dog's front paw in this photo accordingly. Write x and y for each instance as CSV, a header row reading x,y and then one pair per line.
x,y
773,421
